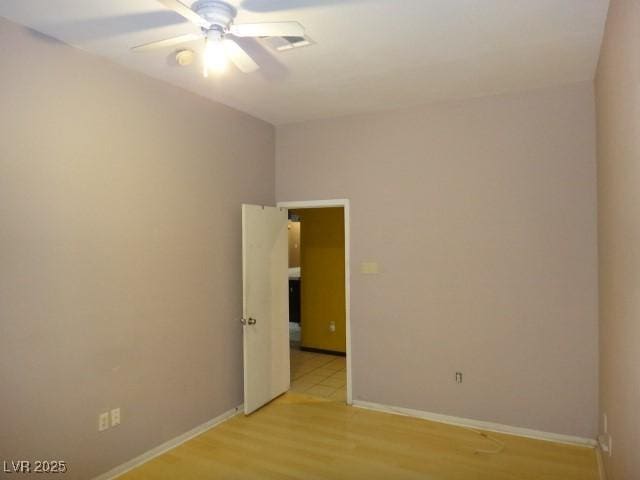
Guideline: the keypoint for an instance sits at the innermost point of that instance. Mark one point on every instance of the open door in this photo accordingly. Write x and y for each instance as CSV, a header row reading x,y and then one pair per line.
x,y
265,304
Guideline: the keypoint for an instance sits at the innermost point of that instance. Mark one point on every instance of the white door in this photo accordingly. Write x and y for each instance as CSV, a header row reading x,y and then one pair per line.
x,y
265,304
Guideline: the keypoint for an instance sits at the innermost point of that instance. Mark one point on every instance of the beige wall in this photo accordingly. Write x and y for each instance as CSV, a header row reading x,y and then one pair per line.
x,y
481,214
618,102
120,254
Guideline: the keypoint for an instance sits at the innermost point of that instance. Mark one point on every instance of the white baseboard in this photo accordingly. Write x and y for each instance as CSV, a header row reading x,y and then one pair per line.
x,y
489,426
166,446
601,470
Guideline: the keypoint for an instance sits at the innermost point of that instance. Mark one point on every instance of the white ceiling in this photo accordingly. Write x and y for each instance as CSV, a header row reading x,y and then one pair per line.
x,y
370,55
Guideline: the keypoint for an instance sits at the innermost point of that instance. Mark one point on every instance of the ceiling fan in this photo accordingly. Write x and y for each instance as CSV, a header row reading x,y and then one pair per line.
x,y
216,21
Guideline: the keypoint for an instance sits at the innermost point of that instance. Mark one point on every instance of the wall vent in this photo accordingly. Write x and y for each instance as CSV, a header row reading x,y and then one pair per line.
x,y
282,44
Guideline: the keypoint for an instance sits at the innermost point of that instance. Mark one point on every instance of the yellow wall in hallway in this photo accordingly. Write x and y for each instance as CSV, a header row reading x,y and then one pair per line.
x,y
322,288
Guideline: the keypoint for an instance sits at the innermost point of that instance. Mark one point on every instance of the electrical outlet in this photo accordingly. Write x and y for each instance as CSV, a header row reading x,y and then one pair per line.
x,y
332,327
115,417
458,377
103,421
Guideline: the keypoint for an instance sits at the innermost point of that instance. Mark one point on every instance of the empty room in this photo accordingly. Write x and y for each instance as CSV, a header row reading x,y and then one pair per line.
x,y
320,239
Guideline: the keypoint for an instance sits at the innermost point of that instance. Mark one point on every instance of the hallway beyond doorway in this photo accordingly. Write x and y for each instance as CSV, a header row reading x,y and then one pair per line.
x,y
318,374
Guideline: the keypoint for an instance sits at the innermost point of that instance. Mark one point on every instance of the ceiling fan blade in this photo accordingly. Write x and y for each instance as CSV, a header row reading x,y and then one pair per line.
x,y
181,9
168,42
239,57
275,29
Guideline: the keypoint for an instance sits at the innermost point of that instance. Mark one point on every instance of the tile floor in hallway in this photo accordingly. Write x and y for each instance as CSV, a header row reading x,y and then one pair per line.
x,y
318,374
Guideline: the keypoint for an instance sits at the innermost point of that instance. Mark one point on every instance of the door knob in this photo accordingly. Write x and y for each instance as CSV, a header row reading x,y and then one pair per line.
x,y
249,321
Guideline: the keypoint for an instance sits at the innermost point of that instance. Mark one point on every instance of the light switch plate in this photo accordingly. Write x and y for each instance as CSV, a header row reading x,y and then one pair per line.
x,y
369,268
103,421
115,417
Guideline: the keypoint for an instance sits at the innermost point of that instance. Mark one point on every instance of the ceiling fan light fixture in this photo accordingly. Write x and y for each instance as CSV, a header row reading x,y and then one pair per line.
x,y
215,57
215,19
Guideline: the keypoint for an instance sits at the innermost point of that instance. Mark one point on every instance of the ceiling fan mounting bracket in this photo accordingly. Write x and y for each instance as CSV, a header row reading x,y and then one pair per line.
x,y
219,14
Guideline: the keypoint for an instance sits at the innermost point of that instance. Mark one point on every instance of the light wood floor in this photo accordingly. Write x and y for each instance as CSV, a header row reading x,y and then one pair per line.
x,y
302,437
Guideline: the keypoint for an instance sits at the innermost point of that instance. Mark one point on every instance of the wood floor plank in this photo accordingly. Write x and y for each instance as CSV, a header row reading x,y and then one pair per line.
x,y
301,437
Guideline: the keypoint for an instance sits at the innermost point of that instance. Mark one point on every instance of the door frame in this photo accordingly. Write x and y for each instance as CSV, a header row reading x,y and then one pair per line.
x,y
344,203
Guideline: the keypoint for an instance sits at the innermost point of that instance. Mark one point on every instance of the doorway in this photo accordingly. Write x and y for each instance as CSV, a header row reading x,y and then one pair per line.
x,y
318,234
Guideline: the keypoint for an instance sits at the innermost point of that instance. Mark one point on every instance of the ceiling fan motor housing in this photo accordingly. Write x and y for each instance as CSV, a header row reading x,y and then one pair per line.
x,y
219,14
